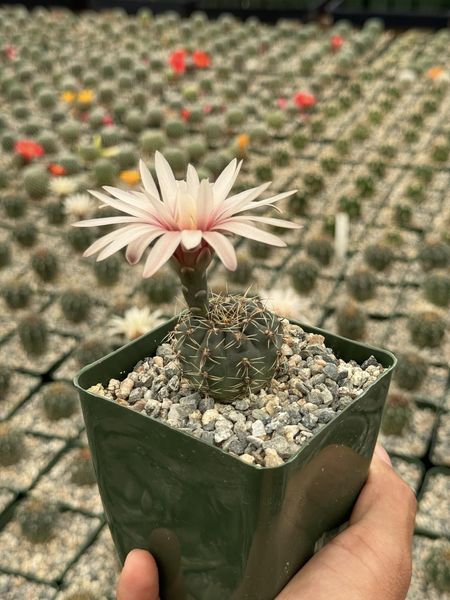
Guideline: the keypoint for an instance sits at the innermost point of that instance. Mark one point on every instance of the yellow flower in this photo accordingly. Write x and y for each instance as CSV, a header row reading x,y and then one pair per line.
x,y
243,141
85,97
130,177
68,96
435,72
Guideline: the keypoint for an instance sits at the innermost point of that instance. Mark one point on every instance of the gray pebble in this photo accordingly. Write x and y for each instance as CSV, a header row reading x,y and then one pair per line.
x,y
135,395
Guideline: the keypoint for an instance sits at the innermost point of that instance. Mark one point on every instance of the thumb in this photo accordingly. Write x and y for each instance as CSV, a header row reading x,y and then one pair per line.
x,y
139,577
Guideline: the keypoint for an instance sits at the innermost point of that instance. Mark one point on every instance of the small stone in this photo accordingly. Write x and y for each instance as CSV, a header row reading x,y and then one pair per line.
x,y
224,429
370,362
165,351
139,406
260,414
158,361
172,369
235,445
163,393
113,385
204,404
135,395
209,419
290,431
280,444
174,383
324,415
286,350
309,421
242,404
247,458
258,429
272,406
208,437
125,388
190,403
331,371
272,458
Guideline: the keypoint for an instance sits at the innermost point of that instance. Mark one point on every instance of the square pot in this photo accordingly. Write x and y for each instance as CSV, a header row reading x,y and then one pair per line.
x,y
221,529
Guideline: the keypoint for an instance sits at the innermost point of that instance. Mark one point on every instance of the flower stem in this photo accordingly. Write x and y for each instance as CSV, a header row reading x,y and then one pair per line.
x,y
190,267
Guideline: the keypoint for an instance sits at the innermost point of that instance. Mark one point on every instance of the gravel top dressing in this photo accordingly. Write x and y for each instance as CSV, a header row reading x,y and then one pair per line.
x,y
311,387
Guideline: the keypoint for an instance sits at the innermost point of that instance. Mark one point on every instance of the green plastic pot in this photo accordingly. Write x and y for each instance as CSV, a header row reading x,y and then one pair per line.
x,y
221,529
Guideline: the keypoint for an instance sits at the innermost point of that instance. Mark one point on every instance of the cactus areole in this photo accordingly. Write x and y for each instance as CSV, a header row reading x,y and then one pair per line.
x,y
228,345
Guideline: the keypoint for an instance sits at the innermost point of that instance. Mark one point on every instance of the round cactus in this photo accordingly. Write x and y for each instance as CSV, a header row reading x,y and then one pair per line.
x,y
435,254
362,284
258,250
104,171
5,379
90,350
351,206
37,520
252,338
437,288
321,248
75,305
151,140
403,215
298,204
397,414
379,256
303,274
45,264
161,288
107,272
177,158
5,254
79,238
427,329
12,448
15,206
59,401
351,321
33,335
26,234
17,294
175,129
436,567
411,371
55,212
82,470
36,181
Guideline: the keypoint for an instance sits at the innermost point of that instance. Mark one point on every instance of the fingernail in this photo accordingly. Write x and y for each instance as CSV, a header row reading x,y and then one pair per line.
x,y
381,453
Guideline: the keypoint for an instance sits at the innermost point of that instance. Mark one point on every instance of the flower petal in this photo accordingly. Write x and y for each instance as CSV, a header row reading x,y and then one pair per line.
x,y
121,241
167,182
267,201
137,248
161,252
269,221
141,213
225,181
107,239
148,181
205,205
106,221
251,232
223,248
193,182
228,208
191,238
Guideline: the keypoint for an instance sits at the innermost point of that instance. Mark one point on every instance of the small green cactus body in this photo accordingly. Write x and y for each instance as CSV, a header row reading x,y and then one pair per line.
x,y
12,448
37,520
104,171
365,186
127,158
411,371
416,192
79,238
397,414
82,470
70,132
17,294
258,250
213,133
321,248
175,129
177,158
196,151
436,567
231,351
5,379
90,350
36,181
313,181
351,321
45,264
55,213
299,140
298,204
437,288
351,206
427,329
263,171
151,140
75,305
5,255
15,206
134,121
48,141
235,118
379,256
304,275
403,215
243,273
33,335
155,117
362,284
107,272
161,288
435,254
59,401
26,234
281,157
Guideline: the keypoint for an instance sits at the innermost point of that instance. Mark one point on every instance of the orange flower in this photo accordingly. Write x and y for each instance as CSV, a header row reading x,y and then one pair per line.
x,y
435,72
57,170
336,42
85,97
243,141
130,177
177,60
68,96
28,149
304,100
201,59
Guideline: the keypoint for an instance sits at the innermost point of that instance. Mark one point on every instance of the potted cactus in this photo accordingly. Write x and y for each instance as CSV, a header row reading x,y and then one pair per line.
x,y
227,440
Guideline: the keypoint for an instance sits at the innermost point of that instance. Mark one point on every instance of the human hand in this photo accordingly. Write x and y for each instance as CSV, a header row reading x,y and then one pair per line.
x,y
370,560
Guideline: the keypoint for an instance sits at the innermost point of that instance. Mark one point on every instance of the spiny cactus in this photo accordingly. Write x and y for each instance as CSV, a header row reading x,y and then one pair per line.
x,y
303,274
45,264
437,288
55,213
79,238
436,567
82,470
427,329
107,272
12,447
17,294
104,171
36,181
321,248
90,350
379,256
411,371
59,401
351,206
397,414
403,215
177,158
26,234
161,288
362,284
258,250
233,350
15,206
33,335
351,321
435,254
37,520
75,305
5,379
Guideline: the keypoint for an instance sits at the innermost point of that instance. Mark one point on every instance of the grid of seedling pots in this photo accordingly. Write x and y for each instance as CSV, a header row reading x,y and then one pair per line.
x,y
357,120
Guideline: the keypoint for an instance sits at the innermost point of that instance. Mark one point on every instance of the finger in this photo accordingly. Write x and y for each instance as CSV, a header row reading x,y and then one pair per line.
x,y
381,453
139,577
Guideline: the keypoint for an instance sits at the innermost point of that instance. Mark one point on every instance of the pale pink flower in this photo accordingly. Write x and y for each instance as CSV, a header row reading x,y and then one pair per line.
x,y
186,215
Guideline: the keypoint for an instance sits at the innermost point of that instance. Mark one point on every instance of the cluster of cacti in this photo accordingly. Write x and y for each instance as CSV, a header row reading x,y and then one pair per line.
x,y
59,401
37,520
397,414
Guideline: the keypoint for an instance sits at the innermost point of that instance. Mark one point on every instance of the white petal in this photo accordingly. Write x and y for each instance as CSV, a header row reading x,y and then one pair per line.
x,y
161,252
269,221
121,241
251,232
205,204
229,207
167,181
192,181
191,238
106,221
121,205
267,201
223,248
148,181
106,239
137,248
225,181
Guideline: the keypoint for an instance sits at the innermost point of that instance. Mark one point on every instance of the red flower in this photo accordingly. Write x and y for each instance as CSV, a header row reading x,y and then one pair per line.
x,y
336,42
177,61
185,114
282,103
305,100
56,170
107,120
10,52
28,149
201,59
84,116
207,109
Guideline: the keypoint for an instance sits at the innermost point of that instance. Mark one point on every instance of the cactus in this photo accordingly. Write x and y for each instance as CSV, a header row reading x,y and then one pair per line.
x,y
17,294
25,234
107,272
151,140
11,445
321,248
90,350
5,255
365,186
303,274
427,329
233,350
36,181
15,206
351,321
175,129
313,181
436,567
362,284
299,140
161,288
104,171
263,171
75,305
177,158
79,238
379,256
82,470
437,289
37,520
55,212
70,132
435,254
196,151
258,250
5,380
298,203
235,118
403,215
411,371
45,264
59,401
134,121
397,414
33,335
